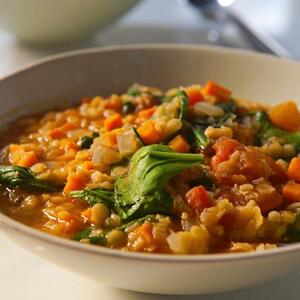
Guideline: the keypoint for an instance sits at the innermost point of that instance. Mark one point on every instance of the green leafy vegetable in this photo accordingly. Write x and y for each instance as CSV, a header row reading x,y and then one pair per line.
x,y
94,236
86,141
204,179
184,101
228,107
133,92
14,176
137,135
128,107
143,190
149,218
98,237
292,233
162,98
93,196
267,130
201,140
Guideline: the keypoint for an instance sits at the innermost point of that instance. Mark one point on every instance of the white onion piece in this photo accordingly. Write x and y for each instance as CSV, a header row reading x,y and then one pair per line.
x,y
208,109
102,154
126,143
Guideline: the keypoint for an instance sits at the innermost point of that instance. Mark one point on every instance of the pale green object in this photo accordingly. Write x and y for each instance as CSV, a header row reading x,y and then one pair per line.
x,y
59,21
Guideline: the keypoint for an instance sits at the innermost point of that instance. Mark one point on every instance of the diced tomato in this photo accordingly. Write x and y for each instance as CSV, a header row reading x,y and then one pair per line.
x,y
224,147
197,199
278,175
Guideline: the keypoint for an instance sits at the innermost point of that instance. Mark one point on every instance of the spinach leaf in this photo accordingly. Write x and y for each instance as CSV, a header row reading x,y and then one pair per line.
x,y
143,191
162,98
128,107
200,139
14,176
149,218
86,141
204,179
93,196
267,130
132,91
184,102
93,235
98,237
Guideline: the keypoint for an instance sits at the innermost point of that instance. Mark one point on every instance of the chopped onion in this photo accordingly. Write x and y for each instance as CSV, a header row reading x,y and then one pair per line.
x,y
208,109
102,154
126,143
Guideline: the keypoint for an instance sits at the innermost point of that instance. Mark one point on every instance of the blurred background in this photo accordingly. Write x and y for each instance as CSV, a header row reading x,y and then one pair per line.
x,y
33,29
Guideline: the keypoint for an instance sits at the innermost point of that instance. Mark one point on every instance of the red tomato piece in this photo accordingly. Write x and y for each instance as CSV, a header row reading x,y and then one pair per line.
x,y
224,147
197,199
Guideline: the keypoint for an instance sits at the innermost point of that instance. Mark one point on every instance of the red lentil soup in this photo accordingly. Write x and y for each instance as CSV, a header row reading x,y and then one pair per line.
x,y
192,170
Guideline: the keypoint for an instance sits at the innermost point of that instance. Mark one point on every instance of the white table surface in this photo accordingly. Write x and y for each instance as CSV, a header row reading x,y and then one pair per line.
x,y
25,277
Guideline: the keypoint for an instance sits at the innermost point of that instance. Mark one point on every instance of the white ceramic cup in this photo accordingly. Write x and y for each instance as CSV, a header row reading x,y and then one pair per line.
x,y
41,22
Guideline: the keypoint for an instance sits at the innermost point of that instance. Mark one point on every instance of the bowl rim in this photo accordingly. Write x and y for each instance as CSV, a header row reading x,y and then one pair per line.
x,y
19,227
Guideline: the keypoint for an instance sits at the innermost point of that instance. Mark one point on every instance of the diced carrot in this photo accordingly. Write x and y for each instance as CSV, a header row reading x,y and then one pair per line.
x,y
197,199
109,139
146,232
294,169
213,89
179,144
60,132
74,182
291,192
146,113
114,121
27,159
148,133
194,93
285,115
57,133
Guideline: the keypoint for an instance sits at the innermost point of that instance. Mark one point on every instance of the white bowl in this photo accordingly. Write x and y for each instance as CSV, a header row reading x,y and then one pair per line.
x,y
59,21
106,70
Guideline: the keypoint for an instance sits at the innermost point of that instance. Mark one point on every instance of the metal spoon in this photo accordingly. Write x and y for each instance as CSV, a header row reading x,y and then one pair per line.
x,y
212,10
